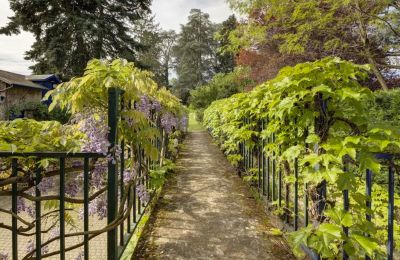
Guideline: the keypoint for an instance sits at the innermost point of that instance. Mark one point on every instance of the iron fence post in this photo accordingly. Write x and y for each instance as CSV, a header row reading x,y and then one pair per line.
x,y
112,187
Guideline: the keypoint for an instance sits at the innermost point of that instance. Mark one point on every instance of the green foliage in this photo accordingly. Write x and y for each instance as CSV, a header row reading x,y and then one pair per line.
x,y
225,59
27,135
195,53
384,110
156,56
320,105
221,86
40,112
159,174
70,33
360,30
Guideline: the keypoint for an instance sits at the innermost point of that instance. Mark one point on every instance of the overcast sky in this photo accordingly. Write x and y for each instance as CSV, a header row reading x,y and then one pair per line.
x,y
169,14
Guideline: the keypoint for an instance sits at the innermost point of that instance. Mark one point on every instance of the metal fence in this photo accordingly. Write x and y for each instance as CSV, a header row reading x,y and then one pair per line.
x,y
115,244
270,184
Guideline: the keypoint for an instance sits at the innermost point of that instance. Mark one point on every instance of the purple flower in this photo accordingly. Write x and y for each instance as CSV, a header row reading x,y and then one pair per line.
x,y
184,123
30,246
46,184
72,188
3,255
144,106
169,122
156,106
96,130
55,232
129,174
21,205
98,207
80,256
142,193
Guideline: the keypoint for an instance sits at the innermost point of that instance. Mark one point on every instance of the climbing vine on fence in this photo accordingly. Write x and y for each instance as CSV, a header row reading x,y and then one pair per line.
x,y
149,116
316,113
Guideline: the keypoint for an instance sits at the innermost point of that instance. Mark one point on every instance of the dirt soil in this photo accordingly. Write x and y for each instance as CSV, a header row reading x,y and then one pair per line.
x,y
207,212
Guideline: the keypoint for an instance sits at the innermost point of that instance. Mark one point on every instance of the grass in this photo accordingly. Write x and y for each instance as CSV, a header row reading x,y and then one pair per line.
x,y
194,125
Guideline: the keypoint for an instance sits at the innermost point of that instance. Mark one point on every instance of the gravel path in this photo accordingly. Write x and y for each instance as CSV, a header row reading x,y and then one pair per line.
x,y
207,212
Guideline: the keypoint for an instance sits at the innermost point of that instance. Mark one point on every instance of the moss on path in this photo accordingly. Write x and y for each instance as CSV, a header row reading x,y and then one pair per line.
x,y
207,212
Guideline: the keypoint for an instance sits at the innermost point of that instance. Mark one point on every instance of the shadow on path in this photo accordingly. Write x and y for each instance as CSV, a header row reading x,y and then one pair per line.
x,y
206,212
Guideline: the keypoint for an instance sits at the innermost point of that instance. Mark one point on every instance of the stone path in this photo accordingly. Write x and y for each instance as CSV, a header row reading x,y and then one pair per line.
x,y
206,212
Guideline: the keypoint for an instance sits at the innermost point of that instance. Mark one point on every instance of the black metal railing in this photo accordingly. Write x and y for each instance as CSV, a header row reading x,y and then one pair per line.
x,y
274,190
116,222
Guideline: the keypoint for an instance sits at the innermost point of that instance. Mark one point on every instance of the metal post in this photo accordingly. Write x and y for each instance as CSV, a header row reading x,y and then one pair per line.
x,y
112,187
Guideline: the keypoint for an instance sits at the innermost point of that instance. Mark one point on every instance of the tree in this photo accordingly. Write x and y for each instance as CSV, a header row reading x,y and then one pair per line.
x,y
156,56
195,53
223,85
362,30
69,33
226,59
168,40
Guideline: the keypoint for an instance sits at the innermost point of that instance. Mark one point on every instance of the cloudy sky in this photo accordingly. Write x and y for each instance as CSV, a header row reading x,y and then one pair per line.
x,y
169,14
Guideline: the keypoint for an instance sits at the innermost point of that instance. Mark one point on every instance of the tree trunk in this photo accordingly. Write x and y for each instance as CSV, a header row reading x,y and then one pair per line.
x,y
369,55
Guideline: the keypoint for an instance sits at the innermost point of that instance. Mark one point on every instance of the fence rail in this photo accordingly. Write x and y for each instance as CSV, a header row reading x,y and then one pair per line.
x,y
271,186
115,186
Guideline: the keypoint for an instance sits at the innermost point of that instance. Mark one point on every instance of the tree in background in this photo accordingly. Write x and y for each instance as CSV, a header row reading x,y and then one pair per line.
x,y
70,33
195,53
222,85
365,31
168,40
226,59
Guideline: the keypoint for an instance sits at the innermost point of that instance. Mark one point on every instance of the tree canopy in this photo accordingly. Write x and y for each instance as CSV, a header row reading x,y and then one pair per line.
x,y
70,33
363,30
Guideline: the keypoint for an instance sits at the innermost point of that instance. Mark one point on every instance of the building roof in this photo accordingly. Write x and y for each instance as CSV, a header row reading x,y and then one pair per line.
x,y
44,77
18,80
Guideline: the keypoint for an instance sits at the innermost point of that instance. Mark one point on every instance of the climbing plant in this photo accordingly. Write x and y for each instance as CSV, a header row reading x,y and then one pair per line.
x,y
149,117
316,113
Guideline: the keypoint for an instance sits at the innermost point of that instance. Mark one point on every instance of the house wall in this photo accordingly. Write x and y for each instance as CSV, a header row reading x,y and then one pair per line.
x,y
18,95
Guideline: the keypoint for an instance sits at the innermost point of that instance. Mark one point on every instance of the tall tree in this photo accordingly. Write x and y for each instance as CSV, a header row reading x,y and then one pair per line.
x,y
361,30
226,59
168,41
195,53
69,33
156,56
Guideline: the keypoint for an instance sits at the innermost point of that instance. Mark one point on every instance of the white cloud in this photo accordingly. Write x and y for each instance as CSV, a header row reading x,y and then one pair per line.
x,y
169,13
13,48
172,13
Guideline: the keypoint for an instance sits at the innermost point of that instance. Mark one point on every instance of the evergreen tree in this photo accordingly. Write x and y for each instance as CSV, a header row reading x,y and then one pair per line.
x,y
69,33
195,53
226,59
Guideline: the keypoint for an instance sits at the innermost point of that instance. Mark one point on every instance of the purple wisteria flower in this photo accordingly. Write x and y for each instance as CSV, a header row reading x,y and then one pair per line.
x,y
55,232
3,255
142,193
96,129
72,188
80,256
98,175
129,174
184,123
46,184
21,205
169,122
98,207
144,106
156,106
30,246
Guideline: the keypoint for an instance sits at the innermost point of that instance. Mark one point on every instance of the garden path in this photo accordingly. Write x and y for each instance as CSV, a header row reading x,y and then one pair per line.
x,y
207,212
